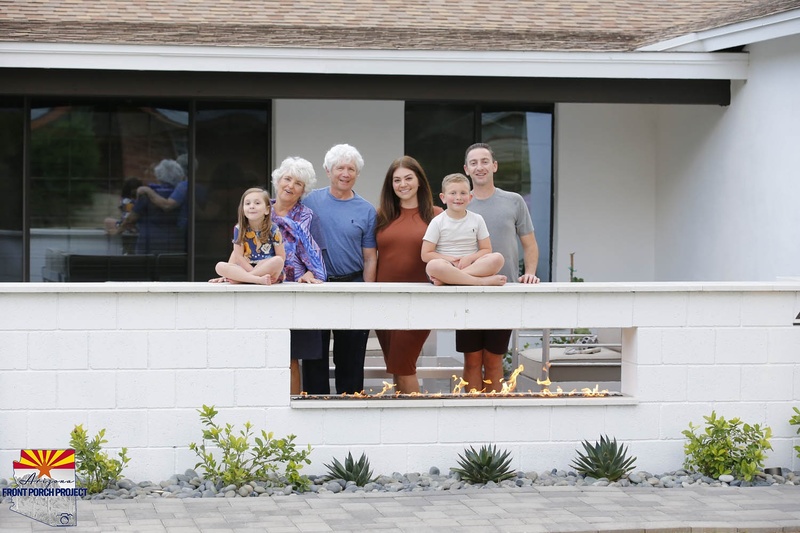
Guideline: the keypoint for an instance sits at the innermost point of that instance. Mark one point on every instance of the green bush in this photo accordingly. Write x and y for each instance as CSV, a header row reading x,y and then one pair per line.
x,y
94,468
727,447
795,421
242,462
577,333
604,459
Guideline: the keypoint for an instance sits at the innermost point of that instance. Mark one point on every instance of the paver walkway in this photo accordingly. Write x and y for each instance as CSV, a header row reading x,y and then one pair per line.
x,y
534,509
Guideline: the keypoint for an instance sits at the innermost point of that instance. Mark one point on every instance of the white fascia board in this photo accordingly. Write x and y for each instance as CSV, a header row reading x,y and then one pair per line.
x,y
649,65
732,35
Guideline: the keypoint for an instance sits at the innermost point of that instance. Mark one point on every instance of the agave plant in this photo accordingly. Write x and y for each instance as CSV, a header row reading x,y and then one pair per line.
x,y
357,471
485,465
604,459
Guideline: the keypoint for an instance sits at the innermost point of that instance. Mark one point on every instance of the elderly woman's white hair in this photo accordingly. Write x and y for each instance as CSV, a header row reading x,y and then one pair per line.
x,y
298,168
169,171
343,153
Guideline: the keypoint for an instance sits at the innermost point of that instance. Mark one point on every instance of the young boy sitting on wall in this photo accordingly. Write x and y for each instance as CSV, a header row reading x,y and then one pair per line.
x,y
456,246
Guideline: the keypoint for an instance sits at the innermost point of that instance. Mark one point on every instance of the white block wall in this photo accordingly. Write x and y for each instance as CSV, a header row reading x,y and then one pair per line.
x,y
139,358
726,177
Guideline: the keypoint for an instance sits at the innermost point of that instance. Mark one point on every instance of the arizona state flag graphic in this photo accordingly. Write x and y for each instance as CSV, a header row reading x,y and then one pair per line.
x,y
44,487
58,465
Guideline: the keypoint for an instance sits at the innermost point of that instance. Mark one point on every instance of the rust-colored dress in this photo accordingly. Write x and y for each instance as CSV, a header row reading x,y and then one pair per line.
x,y
399,249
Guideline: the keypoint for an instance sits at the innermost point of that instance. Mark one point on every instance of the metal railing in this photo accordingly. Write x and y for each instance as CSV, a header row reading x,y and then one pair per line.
x,y
546,335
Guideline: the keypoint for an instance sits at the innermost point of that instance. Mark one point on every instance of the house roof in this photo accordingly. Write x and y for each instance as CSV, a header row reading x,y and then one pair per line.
x,y
458,25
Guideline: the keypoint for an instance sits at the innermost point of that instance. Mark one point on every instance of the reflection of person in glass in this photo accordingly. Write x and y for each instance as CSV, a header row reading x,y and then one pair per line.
x,y
126,200
177,199
158,229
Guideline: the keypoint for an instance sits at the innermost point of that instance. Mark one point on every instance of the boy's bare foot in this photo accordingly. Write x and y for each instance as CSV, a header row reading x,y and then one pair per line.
x,y
495,280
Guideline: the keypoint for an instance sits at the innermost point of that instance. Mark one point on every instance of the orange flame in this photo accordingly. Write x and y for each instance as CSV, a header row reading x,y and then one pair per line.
x,y
507,388
595,391
510,385
386,388
460,385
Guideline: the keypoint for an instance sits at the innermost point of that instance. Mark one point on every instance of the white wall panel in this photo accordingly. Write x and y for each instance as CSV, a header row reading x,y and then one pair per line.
x,y
308,128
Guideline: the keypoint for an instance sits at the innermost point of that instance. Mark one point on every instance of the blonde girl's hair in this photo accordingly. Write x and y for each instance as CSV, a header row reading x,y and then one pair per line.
x,y
244,224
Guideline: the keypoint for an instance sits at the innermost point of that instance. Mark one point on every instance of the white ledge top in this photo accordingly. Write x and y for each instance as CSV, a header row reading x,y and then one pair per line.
x,y
572,288
466,402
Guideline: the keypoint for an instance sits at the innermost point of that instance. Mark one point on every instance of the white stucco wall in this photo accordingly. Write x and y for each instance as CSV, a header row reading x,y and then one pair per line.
x,y
605,192
308,128
139,358
729,177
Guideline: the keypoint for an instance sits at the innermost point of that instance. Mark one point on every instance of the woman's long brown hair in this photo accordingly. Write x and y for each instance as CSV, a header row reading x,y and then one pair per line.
x,y
389,207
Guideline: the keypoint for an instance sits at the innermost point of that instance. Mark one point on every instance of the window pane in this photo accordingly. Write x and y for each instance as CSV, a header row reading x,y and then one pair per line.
x,y
232,143
522,143
82,156
11,141
436,135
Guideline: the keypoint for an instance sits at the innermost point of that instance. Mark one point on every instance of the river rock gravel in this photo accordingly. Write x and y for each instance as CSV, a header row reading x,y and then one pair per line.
x,y
190,484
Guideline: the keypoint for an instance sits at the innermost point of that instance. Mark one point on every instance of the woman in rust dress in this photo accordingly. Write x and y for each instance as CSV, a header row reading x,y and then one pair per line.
x,y
406,207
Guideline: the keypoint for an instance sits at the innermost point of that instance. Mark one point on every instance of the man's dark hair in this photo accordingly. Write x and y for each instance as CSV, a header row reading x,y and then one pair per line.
x,y
478,145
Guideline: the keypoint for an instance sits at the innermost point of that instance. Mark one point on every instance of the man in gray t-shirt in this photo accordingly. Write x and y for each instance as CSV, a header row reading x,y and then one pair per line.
x,y
508,220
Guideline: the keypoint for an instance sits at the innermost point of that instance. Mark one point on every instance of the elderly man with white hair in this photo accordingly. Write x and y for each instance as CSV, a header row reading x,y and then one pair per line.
x,y
348,227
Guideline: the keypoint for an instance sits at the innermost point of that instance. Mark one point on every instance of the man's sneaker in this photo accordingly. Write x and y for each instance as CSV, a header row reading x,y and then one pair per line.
x,y
587,340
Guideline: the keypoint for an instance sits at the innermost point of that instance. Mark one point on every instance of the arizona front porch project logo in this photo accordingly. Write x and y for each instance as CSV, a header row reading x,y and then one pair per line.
x,y
44,487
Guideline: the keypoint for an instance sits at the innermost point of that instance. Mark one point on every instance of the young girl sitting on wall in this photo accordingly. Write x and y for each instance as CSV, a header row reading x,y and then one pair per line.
x,y
258,252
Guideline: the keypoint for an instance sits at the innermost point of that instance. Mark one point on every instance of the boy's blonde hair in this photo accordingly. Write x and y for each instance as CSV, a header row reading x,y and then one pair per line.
x,y
455,178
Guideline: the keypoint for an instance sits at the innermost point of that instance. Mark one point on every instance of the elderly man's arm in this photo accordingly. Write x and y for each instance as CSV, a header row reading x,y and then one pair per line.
x,y
530,252
165,204
370,263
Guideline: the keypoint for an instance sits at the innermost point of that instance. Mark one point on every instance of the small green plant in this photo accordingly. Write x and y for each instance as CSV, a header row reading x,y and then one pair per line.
x,y
795,421
576,334
357,471
242,462
484,465
726,447
604,459
95,469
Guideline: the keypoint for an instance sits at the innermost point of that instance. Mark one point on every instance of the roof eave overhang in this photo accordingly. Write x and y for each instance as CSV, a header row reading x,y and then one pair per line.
x,y
573,64
732,35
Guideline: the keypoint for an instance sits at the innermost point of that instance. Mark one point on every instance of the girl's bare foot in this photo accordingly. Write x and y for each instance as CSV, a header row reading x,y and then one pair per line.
x,y
217,280
266,279
495,280
436,282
